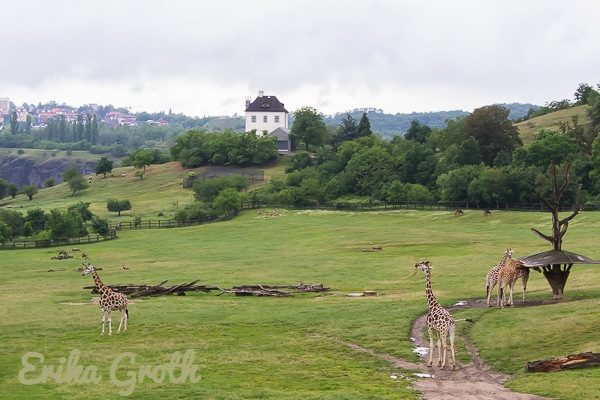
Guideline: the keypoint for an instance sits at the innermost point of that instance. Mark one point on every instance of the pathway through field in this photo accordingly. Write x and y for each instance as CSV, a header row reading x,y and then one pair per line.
x,y
473,381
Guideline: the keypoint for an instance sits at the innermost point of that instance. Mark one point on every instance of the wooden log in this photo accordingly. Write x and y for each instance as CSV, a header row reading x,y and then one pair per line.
x,y
581,360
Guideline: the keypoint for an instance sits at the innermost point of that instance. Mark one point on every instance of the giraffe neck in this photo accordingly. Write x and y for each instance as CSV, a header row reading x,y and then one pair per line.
x,y
502,263
100,287
431,300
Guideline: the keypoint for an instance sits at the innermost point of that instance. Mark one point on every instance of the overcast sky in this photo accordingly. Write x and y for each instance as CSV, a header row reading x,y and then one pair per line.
x,y
205,57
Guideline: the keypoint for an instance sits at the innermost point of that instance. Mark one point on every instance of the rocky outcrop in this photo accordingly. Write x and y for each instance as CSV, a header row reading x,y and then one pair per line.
x,y
29,171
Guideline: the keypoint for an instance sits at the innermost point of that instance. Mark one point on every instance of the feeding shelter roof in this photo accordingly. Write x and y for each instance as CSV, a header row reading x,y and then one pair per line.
x,y
556,257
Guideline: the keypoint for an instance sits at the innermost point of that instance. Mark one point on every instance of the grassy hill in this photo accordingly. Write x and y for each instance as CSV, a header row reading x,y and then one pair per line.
x,y
528,129
159,195
290,348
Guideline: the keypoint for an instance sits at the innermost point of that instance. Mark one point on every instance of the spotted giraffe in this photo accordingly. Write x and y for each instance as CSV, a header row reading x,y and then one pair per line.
x,y
492,276
507,277
109,301
439,321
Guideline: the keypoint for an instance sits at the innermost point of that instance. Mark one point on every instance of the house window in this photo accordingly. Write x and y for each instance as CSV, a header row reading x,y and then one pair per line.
x,y
277,118
264,118
253,118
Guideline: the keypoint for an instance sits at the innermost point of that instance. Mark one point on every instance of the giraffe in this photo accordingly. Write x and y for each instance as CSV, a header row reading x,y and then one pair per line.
x,y
492,276
109,301
507,277
438,320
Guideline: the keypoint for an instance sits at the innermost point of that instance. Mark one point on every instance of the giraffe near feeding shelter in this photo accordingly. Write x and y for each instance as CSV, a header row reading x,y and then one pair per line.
x,y
439,321
492,276
109,301
507,277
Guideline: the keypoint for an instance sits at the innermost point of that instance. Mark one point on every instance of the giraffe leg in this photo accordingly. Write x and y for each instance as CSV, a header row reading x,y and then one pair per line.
x,y
109,323
430,346
452,347
489,297
512,289
439,346
126,318
103,320
444,348
121,321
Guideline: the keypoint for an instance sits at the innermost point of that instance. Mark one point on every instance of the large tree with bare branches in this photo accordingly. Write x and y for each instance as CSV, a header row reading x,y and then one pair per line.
x,y
557,274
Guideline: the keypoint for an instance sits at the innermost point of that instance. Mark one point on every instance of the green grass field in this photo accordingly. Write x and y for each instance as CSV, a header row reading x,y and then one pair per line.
x,y
528,129
158,196
288,348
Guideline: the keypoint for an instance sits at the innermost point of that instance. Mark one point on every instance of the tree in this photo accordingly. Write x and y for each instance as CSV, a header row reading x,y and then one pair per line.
x,y
14,123
37,219
14,221
208,189
228,202
584,94
364,126
82,209
70,171
94,132
104,166
100,226
551,148
4,232
3,188
141,158
417,132
557,274
78,183
29,191
12,190
369,169
117,206
49,182
493,130
308,127
348,130
28,121
63,224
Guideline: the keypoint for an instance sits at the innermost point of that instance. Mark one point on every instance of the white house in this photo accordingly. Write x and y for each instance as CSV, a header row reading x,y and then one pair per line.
x,y
268,116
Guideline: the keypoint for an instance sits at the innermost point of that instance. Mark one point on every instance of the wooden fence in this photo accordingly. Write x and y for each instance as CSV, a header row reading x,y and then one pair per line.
x,y
156,224
36,244
434,206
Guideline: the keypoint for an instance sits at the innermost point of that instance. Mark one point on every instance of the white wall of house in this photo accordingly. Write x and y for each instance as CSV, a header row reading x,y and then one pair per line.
x,y
265,121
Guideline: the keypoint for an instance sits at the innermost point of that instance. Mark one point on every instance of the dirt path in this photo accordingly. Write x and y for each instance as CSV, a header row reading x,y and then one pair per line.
x,y
472,381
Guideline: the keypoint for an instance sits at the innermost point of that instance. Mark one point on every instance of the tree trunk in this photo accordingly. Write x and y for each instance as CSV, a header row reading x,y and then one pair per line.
x,y
557,276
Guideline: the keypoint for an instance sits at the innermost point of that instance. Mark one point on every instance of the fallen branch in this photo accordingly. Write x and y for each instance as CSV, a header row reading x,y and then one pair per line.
x,y
581,360
132,290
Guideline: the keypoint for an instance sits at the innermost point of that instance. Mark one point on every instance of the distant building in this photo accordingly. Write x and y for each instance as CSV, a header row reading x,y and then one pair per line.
x,y
4,106
116,118
268,116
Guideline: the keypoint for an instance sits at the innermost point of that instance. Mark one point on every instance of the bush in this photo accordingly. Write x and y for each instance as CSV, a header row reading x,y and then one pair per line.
x,y
100,226
208,189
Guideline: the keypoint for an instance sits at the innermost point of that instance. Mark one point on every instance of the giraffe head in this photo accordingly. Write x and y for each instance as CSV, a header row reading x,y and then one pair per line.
x,y
508,253
89,268
423,266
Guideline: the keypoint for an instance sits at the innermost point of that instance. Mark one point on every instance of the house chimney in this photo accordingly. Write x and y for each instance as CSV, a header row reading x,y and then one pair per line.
x,y
261,93
247,102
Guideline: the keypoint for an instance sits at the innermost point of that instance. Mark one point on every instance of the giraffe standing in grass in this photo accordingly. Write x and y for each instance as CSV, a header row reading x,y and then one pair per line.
x,y
109,301
492,277
439,320
507,277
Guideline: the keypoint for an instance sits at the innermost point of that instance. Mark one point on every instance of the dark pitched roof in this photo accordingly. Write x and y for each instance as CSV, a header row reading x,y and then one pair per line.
x,y
281,134
266,103
556,257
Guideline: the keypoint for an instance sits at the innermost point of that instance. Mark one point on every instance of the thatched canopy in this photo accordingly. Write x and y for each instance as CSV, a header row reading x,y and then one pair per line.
x,y
556,257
